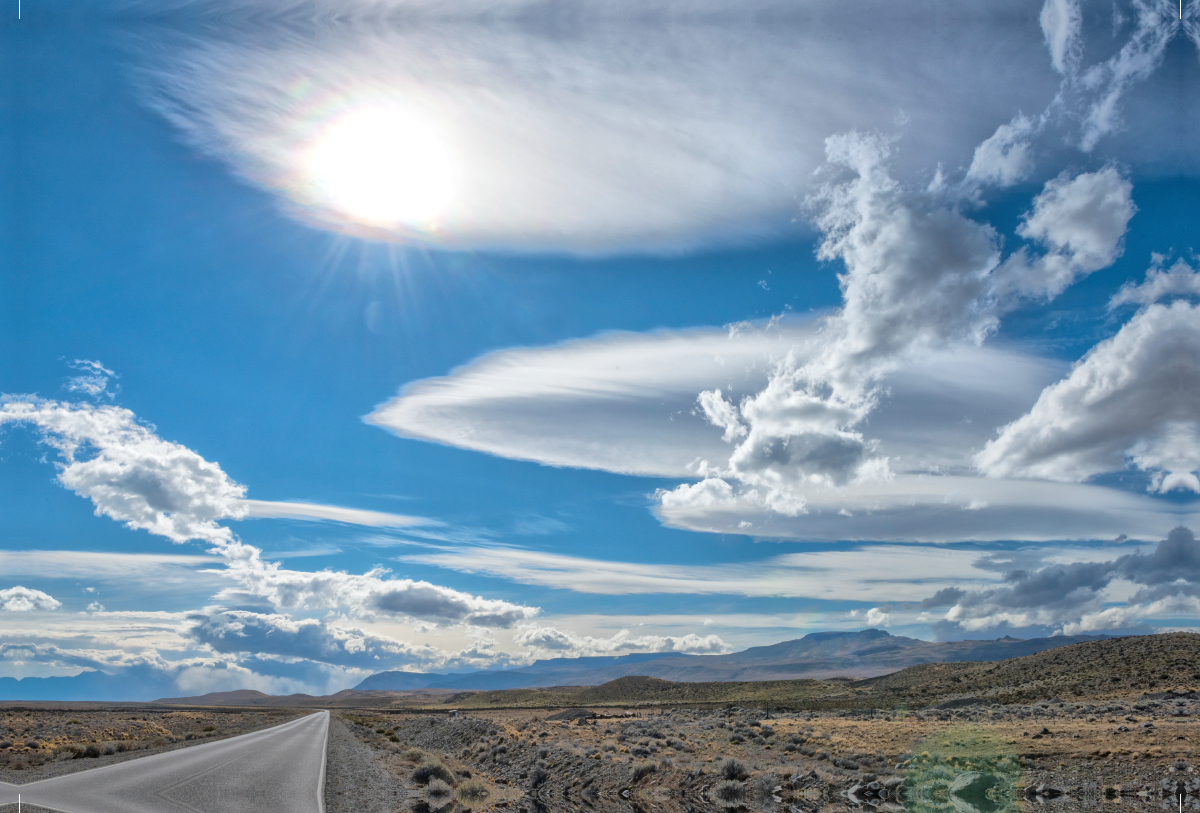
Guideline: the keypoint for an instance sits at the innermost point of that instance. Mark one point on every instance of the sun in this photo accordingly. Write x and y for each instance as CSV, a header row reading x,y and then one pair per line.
x,y
383,167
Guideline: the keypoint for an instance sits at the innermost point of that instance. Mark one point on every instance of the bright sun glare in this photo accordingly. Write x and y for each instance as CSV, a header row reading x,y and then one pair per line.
x,y
383,167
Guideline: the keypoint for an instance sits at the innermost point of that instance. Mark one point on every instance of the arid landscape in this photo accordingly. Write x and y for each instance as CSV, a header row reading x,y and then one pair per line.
x,y
1102,724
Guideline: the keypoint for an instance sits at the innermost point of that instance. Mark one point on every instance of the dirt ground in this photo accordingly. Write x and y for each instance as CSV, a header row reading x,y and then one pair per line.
x,y
1053,756
38,742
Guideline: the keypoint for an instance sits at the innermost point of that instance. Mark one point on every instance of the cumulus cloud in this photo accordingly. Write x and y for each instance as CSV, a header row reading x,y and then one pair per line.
x,y
919,276
549,642
1071,598
129,473
1132,401
22,600
1081,221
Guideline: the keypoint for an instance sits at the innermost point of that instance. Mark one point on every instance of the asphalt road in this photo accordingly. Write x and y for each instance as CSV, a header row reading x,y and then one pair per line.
x,y
276,770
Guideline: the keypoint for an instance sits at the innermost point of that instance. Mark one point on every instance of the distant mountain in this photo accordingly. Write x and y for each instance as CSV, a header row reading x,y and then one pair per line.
x,y
864,654
130,685
559,671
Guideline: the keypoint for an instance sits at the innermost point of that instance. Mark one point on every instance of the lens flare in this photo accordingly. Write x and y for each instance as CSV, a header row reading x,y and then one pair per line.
x,y
383,167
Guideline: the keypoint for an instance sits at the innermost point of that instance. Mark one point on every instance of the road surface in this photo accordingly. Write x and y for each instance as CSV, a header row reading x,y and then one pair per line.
x,y
276,770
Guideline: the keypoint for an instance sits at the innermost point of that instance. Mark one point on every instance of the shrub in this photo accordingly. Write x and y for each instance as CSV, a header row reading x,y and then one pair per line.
x,y
414,755
472,792
731,769
33,744
642,770
438,793
91,752
5,744
430,771
728,793
209,728
537,778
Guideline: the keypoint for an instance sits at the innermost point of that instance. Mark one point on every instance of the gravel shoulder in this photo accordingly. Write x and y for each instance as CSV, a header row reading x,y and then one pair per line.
x,y
355,779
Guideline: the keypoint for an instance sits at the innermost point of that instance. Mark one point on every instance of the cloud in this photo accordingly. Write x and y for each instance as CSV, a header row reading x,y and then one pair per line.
x,y
331,513
234,632
1004,158
619,401
1180,280
894,571
1071,597
646,126
926,508
1062,23
1081,220
549,642
1132,401
363,595
94,381
129,473
22,600
132,475
1100,87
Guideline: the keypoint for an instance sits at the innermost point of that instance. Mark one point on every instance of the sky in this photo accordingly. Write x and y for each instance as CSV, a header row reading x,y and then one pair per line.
x,y
443,336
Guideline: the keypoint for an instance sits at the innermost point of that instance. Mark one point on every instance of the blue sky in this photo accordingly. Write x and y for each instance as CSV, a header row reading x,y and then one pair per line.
x,y
619,336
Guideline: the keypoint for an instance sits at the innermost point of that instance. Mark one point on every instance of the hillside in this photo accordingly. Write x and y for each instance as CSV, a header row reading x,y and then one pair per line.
x,y
1118,667
1111,668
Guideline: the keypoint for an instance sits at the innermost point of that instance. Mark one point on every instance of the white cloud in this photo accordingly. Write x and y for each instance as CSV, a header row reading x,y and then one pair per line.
x,y
363,595
1062,23
129,473
927,508
133,476
1101,87
1081,220
1131,401
1180,280
22,600
331,513
880,572
1004,158
232,632
619,401
627,133
549,642
919,277
94,380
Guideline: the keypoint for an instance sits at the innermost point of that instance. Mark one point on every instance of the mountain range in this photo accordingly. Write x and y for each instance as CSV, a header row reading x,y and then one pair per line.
x,y
864,654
